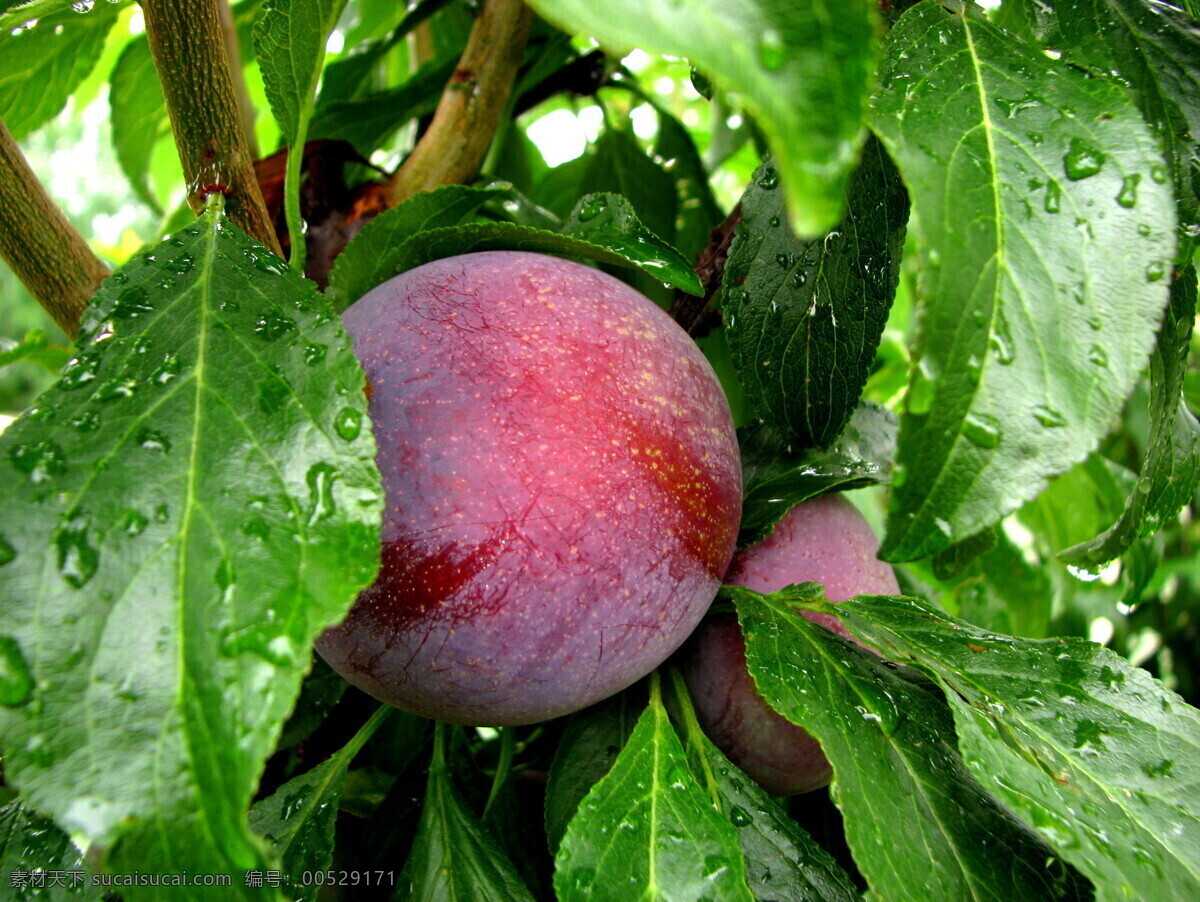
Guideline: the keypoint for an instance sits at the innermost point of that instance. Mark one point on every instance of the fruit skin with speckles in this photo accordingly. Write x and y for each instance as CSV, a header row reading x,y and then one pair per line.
x,y
825,540
563,489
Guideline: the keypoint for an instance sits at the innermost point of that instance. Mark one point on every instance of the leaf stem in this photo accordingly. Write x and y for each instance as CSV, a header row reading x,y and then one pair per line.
x,y
438,761
291,193
694,734
503,766
365,732
454,146
188,47
39,243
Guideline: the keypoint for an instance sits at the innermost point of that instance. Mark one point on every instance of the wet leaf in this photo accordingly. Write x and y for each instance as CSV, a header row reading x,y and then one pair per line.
x,y
1046,229
648,830
298,818
776,478
40,67
1096,755
39,862
1171,471
589,745
804,71
656,257
139,116
919,824
183,516
364,262
454,858
803,318
1155,50
782,861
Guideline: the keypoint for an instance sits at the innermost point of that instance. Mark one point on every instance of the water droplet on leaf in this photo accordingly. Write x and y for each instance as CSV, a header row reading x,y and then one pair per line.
x,y
77,558
134,523
16,683
320,486
348,424
152,440
982,430
772,51
1049,417
1053,202
592,207
1082,160
38,460
132,302
273,325
1128,195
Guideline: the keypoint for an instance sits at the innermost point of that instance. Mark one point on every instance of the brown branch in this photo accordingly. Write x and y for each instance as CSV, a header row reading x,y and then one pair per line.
x,y
189,54
240,91
696,314
453,148
40,245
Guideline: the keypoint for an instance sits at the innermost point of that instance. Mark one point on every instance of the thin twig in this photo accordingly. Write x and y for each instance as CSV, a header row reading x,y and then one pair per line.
x,y
695,314
454,146
40,245
240,91
189,54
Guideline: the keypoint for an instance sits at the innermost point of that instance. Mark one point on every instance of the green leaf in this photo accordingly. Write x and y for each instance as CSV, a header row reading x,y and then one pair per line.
x,y
699,212
1155,50
368,121
364,263
1003,591
1097,756
454,858
139,116
608,220
35,347
648,831
1171,471
322,688
803,69
289,41
435,244
16,14
190,505
804,318
919,824
38,861
346,76
1046,230
299,816
950,562
589,745
776,478
41,66
781,860
617,165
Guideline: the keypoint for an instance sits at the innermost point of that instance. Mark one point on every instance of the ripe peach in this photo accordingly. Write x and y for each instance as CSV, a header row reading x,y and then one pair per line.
x,y
563,489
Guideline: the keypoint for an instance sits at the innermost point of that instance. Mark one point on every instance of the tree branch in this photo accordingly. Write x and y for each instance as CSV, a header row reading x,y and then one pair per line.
x,y
454,147
40,245
189,53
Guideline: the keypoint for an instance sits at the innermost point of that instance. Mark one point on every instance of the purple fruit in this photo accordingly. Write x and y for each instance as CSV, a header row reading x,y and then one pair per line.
x,y
563,489
825,540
